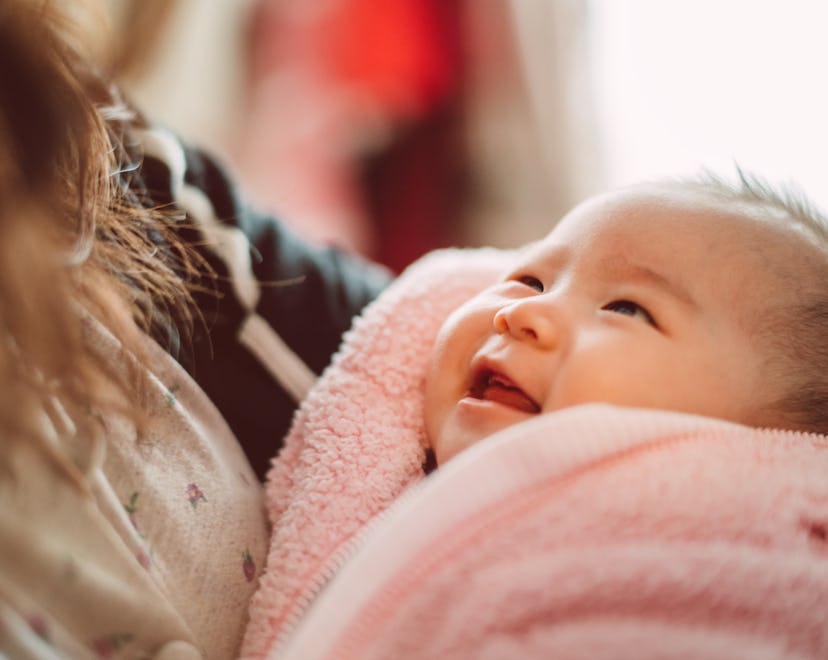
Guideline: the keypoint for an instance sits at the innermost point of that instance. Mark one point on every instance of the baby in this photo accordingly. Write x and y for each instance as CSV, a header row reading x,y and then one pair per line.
x,y
699,297
696,297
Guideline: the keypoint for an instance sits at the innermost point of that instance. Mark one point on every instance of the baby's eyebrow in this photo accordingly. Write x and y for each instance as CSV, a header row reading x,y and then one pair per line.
x,y
619,267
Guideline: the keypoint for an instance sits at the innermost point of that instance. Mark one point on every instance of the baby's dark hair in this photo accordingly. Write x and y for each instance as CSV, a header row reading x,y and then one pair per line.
x,y
797,335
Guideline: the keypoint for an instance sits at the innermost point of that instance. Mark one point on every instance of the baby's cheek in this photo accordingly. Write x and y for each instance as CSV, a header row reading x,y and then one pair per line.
x,y
586,383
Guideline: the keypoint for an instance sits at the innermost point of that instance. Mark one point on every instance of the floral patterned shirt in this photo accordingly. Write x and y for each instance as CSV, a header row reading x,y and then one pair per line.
x,y
158,559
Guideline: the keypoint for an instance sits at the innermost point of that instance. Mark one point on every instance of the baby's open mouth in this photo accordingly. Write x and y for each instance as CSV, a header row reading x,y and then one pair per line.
x,y
489,385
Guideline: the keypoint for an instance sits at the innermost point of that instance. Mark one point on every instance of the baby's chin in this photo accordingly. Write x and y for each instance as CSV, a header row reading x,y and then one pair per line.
x,y
446,446
444,450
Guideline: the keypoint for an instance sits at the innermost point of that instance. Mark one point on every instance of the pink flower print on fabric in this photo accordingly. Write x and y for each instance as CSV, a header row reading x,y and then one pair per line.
x,y
39,627
248,565
195,495
144,559
169,395
95,414
109,645
143,556
131,508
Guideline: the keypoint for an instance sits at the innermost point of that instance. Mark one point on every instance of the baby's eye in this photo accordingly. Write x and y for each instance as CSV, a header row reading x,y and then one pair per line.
x,y
531,282
630,309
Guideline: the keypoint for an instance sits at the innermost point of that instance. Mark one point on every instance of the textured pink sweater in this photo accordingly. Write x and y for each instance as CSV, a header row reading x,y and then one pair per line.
x,y
595,532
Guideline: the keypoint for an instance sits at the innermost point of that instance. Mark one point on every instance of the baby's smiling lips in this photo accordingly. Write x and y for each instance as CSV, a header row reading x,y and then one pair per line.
x,y
492,386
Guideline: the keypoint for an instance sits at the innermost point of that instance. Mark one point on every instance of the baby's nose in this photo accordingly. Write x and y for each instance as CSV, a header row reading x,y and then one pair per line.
x,y
530,321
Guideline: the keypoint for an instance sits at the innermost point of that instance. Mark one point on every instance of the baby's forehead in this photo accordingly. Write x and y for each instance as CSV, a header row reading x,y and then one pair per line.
x,y
688,233
671,212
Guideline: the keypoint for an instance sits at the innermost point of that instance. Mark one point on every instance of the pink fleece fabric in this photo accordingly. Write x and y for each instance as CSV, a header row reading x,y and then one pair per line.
x,y
600,532
358,440
595,533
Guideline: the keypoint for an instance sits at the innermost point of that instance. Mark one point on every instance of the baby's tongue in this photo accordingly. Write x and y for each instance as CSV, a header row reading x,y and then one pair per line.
x,y
509,396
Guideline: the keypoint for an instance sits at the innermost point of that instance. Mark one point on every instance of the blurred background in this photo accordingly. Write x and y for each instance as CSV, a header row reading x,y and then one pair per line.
x,y
393,127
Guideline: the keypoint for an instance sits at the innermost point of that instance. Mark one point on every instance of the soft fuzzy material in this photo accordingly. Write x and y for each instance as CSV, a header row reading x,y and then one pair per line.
x,y
594,532
358,440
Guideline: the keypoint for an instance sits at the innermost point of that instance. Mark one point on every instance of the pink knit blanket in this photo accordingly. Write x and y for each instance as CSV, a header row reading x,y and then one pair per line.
x,y
594,532
358,439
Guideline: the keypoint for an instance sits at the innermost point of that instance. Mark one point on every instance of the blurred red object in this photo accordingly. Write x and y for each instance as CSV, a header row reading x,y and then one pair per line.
x,y
370,90
404,54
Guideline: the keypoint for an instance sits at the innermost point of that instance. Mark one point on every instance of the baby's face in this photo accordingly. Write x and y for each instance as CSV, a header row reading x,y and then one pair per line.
x,y
647,297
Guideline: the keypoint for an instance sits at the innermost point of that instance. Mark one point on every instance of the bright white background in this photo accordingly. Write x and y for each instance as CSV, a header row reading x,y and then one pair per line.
x,y
679,84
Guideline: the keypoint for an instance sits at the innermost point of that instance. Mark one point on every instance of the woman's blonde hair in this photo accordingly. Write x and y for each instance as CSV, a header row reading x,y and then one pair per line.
x,y
74,239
